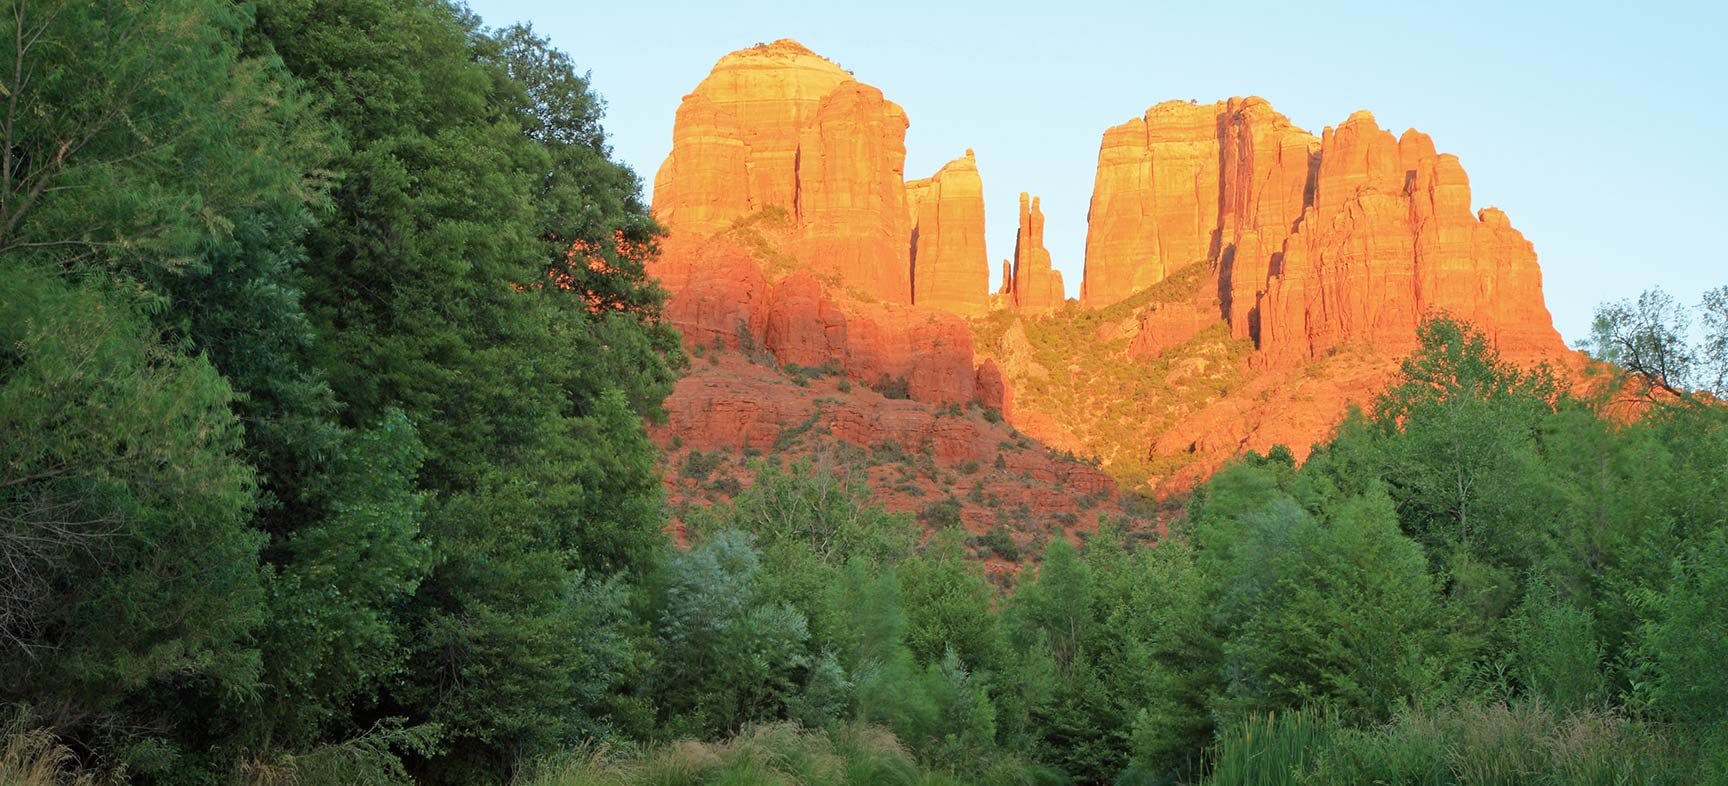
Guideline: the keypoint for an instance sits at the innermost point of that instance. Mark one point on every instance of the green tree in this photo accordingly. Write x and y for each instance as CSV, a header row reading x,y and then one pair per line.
x,y
479,270
1683,650
1654,338
1175,655
115,116
729,656
1461,457
1067,713
949,607
132,588
1555,650
1348,617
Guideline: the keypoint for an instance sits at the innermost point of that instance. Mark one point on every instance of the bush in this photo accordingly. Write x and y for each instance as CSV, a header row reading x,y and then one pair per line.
x,y
1269,750
893,387
1000,540
890,452
941,513
699,465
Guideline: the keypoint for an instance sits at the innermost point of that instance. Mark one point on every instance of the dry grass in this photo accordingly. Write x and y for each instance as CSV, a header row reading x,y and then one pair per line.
x,y
33,757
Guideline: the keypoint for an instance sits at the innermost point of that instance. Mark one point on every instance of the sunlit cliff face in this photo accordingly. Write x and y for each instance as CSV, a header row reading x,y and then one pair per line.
x,y
1245,280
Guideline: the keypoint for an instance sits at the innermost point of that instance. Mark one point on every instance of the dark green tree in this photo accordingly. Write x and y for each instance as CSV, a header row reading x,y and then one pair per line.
x,y
479,270
131,588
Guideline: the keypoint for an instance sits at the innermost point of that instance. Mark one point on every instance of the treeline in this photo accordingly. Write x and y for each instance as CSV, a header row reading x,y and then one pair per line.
x,y
325,347
1485,579
325,352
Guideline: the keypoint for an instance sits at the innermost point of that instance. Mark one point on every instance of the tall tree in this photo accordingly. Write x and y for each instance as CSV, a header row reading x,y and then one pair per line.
x,y
480,272
1656,338
130,586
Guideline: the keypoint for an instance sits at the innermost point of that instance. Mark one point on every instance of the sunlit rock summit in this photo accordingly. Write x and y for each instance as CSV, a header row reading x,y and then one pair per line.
x,y
1244,280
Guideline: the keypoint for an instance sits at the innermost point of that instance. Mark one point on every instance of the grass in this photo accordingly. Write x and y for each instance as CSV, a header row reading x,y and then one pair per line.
x,y
1469,744
772,755
33,757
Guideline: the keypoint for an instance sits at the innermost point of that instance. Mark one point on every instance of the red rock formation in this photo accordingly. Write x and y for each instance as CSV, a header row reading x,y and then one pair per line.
x,y
794,234
1389,240
851,198
719,295
729,409
1154,202
735,142
1037,286
931,350
779,127
820,281
1167,325
1267,180
993,389
950,269
1355,237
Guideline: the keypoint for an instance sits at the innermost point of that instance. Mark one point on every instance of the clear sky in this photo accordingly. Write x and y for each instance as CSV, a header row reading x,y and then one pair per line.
x,y
1601,128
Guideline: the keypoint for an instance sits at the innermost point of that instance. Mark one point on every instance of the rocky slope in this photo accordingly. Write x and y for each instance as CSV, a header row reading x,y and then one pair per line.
x,y
946,465
1245,282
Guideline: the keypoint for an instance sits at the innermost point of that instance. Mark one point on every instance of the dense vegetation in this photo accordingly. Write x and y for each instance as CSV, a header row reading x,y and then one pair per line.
x,y
325,353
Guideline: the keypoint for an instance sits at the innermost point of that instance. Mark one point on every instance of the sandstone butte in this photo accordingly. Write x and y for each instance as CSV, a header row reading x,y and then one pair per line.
x,y
1354,237
777,126
793,232
950,269
792,229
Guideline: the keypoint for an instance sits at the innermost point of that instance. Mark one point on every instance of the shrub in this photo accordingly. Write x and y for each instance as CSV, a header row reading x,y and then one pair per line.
x,y
699,465
941,513
889,452
1001,541
1269,750
780,753
893,387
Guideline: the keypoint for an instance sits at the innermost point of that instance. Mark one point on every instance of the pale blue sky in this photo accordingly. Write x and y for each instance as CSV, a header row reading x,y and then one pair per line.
x,y
1599,127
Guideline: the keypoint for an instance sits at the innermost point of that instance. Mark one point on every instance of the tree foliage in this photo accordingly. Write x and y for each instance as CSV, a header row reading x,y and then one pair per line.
x,y
326,351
